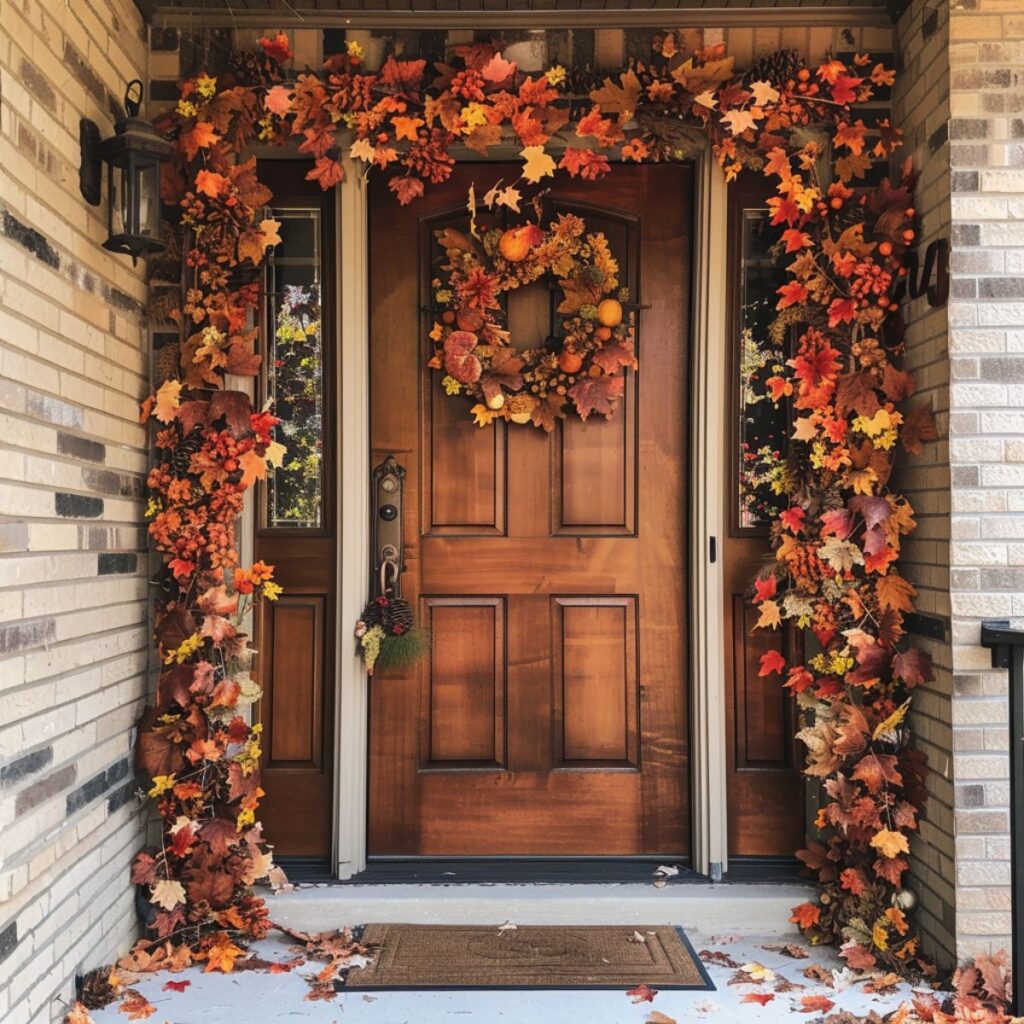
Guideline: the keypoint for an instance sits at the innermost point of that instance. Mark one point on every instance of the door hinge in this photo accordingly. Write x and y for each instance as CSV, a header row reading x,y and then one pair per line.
x,y
713,549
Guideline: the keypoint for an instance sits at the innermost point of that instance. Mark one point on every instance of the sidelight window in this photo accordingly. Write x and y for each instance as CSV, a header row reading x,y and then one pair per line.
x,y
761,435
294,369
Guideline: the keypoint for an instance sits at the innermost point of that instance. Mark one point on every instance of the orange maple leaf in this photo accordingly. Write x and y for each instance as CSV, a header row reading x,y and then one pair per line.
x,y
889,843
200,136
806,915
221,956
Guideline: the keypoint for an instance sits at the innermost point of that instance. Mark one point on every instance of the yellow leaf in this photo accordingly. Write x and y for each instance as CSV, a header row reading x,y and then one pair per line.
x,y
482,416
619,99
168,399
167,894
758,971
268,229
706,99
361,150
254,467
537,164
764,92
805,429
890,723
275,453
771,615
889,843
739,121
874,425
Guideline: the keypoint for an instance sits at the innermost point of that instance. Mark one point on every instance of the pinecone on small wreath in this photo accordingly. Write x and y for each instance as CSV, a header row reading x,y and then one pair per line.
x,y
388,635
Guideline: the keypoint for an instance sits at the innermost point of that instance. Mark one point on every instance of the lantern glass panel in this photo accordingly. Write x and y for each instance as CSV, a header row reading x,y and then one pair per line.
x,y
149,200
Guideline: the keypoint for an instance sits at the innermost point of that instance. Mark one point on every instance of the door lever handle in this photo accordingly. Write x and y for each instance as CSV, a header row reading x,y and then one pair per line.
x,y
386,527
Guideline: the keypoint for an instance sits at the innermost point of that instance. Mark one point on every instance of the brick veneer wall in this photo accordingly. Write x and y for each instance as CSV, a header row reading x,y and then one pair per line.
x,y
73,591
921,109
986,429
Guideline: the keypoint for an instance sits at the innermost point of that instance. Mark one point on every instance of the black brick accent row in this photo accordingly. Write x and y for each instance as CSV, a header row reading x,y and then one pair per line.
x,y
20,636
112,564
78,506
8,940
27,764
80,447
96,786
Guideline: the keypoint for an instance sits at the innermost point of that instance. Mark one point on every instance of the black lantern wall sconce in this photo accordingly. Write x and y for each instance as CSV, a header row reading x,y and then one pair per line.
x,y
133,155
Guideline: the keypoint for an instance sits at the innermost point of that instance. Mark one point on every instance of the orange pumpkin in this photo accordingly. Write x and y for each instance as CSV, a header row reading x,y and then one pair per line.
x,y
609,312
603,334
569,361
516,243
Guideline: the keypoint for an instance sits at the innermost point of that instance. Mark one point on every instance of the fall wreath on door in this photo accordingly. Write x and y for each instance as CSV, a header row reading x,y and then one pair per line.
x,y
580,368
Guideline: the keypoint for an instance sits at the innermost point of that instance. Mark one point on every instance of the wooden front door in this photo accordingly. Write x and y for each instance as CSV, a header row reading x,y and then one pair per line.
x,y
550,717
765,787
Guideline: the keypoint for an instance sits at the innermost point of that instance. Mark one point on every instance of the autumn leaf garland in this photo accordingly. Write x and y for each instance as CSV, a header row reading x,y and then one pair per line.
x,y
837,542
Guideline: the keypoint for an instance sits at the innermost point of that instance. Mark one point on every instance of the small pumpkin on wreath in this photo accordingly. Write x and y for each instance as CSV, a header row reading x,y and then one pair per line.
x,y
581,370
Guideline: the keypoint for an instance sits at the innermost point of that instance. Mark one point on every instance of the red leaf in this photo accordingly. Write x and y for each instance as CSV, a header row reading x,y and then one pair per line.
x,y
762,998
815,1003
642,994
792,294
875,770
406,189
176,986
771,661
277,48
918,426
913,666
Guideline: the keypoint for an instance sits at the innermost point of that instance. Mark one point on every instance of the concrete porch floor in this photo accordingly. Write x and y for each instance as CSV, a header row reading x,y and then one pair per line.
x,y
730,927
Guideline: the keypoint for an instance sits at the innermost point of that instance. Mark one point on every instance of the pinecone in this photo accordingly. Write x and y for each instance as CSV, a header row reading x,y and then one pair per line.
x,y
183,453
398,616
96,990
254,68
775,68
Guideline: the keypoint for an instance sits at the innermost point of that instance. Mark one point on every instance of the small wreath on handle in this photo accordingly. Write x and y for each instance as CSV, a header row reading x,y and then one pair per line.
x,y
580,370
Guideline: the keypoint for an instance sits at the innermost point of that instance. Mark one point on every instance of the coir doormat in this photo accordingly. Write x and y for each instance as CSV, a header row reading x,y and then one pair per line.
x,y
414,956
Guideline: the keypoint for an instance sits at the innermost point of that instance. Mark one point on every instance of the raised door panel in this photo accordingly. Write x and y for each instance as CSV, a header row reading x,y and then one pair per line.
x,y
464,683
595,668
294,641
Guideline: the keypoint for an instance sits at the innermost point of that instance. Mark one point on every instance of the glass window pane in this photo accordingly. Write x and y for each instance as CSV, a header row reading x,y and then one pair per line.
x,y
295,381
762,424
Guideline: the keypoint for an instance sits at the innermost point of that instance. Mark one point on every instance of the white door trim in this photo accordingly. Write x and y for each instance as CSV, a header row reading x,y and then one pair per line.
x,y
707,483
352,387
707,690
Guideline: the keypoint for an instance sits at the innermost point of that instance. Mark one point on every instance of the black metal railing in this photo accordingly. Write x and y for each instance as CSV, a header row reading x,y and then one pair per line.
x,y
1007,647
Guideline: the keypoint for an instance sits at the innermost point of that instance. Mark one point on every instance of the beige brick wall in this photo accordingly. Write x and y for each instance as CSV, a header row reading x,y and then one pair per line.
x,y
986,349
921,109
73,591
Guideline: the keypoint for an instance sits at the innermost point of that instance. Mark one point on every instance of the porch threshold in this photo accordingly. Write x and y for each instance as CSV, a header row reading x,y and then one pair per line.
x,y
754,909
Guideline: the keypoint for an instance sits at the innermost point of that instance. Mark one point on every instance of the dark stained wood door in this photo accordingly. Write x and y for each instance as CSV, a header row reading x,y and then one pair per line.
x,y
297,524
551,715
765,788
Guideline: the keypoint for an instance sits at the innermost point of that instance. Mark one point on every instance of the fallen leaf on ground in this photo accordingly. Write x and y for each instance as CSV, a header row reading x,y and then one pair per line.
x,y
657,1017
705,1008
815,1004
642,994
136,1005
176,986
763,998
718,957
815,972
790,949
758,971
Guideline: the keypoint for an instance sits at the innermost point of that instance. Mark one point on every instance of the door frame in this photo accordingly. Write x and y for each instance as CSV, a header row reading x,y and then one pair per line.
x,y
707,478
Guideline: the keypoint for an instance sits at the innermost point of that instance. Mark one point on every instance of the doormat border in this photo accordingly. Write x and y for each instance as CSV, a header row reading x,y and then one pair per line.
x,y
708,986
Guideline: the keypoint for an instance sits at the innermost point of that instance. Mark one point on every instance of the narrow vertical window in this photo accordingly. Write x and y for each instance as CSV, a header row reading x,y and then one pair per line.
x,y
295,371
762,423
